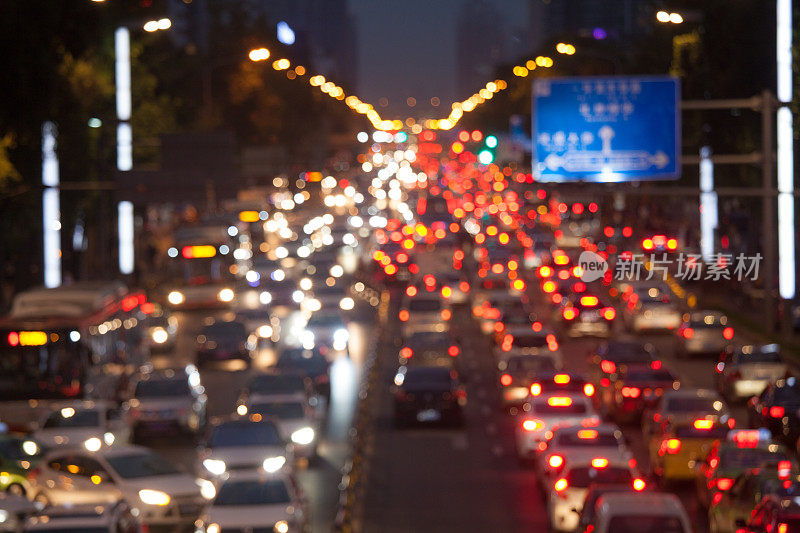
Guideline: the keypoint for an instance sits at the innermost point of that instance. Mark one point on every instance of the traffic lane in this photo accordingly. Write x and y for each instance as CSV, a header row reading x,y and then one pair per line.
x,y
223,383
437,479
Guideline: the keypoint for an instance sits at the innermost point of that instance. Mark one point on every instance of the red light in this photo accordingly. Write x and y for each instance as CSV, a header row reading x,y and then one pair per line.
x,y
446,314
587,434
477,135
463,136
647,244
532,425
724,483
703,424
609,313
593,207
13,338
577,208
555,461
413,268
588,389
639,484
506,380
403,315
390,270
537,326
559,401
545,272
672,244
561,485
627,231
406,352
411,291
599,462
776,411
631,392
727,333
148,308
655,365
608,366
589,301
561,379
672,446
570,313
453,350
402,258
536,389
688,333
608,231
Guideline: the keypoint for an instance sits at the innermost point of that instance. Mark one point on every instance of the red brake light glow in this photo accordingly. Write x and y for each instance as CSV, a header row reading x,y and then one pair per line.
x,y
561,379
587,434
599,462
536,389
555,461
453,350
588,389
724,483
776,411
406,352
608,366
703,424
727,333
639,484
672,446
561,485
532,425
506,380
559,401
589,301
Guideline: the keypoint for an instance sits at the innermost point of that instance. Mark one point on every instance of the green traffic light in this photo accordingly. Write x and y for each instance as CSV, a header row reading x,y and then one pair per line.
x,y
491,141
485,157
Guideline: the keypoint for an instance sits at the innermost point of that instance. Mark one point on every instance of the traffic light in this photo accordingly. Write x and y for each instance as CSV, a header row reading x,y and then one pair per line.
x,y
486,156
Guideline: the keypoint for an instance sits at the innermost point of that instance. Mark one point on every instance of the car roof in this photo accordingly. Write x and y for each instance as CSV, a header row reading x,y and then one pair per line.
x,y
641,503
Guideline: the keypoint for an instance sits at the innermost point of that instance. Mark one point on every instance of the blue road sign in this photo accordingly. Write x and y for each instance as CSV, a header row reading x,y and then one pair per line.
x,y
608,129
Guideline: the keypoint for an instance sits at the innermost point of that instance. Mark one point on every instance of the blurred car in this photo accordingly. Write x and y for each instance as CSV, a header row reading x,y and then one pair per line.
x,y
684,405
110,518
637,389
87,423
525,341
221,340
18,455
773,513
514,319
634,512
244,443
681,444
161,330
312,363
326,329
659,243
423,311
296,420
703,332
516,376
428,394
15,508
649,308
596,490
748,489
747,371
546,412
578,445
260,322
586,315
162,494
270,384
169,400
256,502
555,383
429,348
568,493
740,451
778,410
608,362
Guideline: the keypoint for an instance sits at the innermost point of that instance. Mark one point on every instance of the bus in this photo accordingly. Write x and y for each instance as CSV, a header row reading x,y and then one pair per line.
x,y
203,266
81,341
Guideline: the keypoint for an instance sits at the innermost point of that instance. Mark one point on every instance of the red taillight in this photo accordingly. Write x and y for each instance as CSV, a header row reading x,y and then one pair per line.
x,y
404,315
406,352
608,366
688,333
464,286
647,244
599,462
727,333
402,258
446,314
724,483
703,424
536,389
411,291
561,485
776,411
453,350
639,484
671,446
655,365
589,301
631,392
561,379
13,338
532,425
506,380
570,313
609,313
555,461
588,389
672,244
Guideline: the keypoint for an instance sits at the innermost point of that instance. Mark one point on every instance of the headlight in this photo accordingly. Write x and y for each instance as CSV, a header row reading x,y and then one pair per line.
x,y
30,447
306,284
265,332
160,335
281,527
207,489
154,497
347,303
175,298
303,436
298,296
225,295
93,444
4,517
109,438
307,339
265,298
215,466
273,464
212,528
341,334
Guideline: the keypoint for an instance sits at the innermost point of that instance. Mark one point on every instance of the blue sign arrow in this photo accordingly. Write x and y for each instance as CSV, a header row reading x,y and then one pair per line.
x,y
609,129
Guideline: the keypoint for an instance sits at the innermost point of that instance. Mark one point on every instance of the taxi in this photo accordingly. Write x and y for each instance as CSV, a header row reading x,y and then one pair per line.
x,y
684,405
740,451
748,489
675,452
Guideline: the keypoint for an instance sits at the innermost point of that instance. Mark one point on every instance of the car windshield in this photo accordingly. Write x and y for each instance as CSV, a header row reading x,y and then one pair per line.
x,y
749,458
543,407
529,341
688,405
308,361
584,476
758,358
428,339
318,320
280,410
277,384
587,438
424,304
245,433
162,388
533,364
70,418
638,523
225,330
252,492
649,375
138,465
427,378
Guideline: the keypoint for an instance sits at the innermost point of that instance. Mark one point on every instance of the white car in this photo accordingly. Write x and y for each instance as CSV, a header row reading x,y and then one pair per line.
x,y
632,512
567,494
160,492
91,424
522,340
246,443
326,329
164,401
424,312
279,385
296,420
747,371
252,501
111,518
541,414
650,309
578,445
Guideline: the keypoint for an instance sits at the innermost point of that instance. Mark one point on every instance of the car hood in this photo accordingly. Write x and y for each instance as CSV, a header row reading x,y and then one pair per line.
x,y
242,456
176,485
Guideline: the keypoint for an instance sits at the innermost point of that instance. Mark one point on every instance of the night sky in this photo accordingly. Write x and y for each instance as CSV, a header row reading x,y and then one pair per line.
x,y
409,49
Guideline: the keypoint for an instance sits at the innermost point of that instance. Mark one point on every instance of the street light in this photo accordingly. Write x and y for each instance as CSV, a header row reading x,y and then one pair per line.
x,y
665,17
259,54
155,25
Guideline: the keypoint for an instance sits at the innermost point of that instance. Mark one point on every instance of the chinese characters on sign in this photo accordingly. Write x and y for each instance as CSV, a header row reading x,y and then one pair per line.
x,y
688,267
